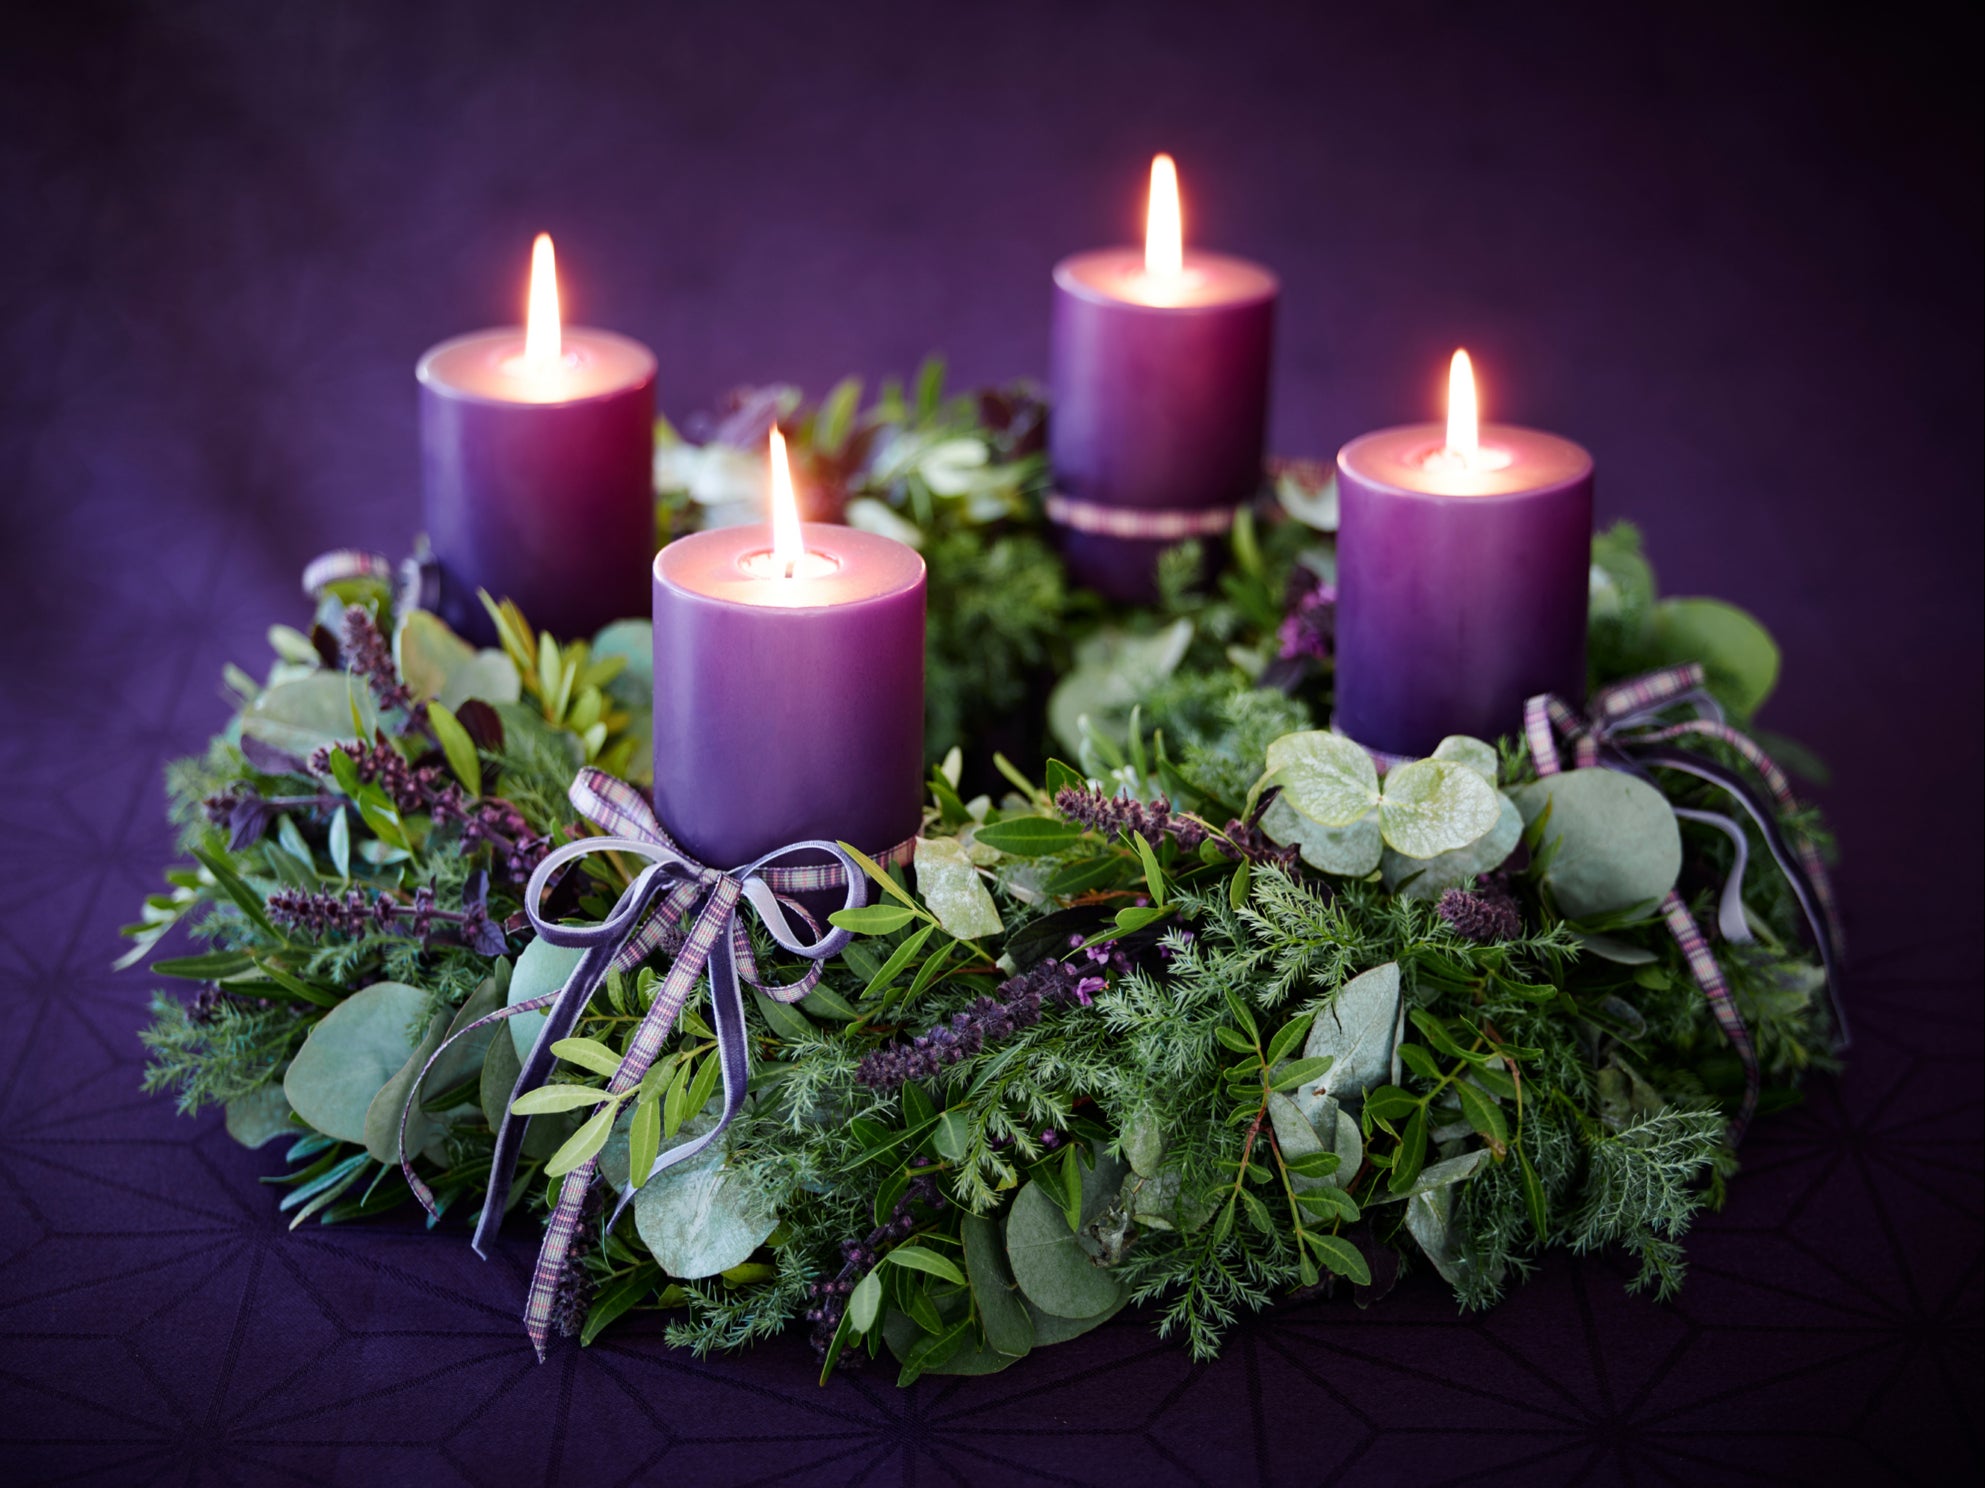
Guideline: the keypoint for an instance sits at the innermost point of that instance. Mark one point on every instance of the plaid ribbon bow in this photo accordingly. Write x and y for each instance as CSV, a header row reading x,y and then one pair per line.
x,y
1625,731
698,908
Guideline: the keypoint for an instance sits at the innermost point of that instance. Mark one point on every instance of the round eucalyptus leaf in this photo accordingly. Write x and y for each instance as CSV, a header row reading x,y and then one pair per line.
x,y
1113,670
436,663
311,713
1324,776
383,1112
350,1055
1358,1030
1002,1310
1049,1263
1435,806
1737,653
1428,878
634,642
1350,852
260,1116
1460,749
542,968
699,1218
1617,845
1050,1328
953,891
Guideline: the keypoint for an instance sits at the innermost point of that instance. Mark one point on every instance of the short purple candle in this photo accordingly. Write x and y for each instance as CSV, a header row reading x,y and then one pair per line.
x,y
788,708
1461,589
538,473
1158,365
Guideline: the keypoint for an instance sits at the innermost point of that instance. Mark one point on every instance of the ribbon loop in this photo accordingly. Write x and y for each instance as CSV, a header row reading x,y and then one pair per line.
x,y
1624,729
672,898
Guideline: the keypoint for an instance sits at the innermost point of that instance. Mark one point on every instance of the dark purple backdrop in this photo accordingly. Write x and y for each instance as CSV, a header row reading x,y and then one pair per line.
x,y
1735,253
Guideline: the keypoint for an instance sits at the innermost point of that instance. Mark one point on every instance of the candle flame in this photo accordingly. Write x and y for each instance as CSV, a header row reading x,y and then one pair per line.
x,y
542,342
1164,237
788,543
1463,421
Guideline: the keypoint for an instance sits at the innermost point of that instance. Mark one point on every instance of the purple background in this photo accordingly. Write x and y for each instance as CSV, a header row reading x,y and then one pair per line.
x,y
1733,251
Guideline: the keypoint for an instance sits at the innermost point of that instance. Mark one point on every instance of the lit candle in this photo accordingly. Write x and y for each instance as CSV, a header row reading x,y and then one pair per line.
x,y
1159,370
1463,555
537,448
789,685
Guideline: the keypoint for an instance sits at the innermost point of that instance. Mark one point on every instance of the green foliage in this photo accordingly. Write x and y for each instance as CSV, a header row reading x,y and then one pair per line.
x,y
1142,1054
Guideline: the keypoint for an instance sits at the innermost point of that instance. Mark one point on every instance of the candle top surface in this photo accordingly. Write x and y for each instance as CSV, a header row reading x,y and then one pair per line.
x,y
1207,281
1413,459
490,366
727,564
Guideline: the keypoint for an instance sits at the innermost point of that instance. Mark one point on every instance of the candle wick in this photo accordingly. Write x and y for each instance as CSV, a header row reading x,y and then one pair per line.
x,y
791,565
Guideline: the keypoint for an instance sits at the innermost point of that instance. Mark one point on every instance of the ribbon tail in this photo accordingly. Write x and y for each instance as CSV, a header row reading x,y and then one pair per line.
x,y
563,1017
420,1190
733,1060
1813,901
1730,917
1709,977
562,1229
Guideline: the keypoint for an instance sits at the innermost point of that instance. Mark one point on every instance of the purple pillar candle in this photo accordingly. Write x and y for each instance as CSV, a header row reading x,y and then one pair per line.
x,y
1158,365
1462,580
537,455
788,707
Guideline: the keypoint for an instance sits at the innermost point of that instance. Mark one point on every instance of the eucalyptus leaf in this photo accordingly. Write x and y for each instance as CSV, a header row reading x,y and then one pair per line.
x,y
1350,852
310,713
1430,1221
1049,1264
1611,948
439,665
1113,671
1617,843
1002,1310
382,1114
1460,749
1435,806
1442,1174
1738,655
260,1116
1428,878
1358,1029
350,1055
542,968
1324,776
1295,1137
699,1218
953,891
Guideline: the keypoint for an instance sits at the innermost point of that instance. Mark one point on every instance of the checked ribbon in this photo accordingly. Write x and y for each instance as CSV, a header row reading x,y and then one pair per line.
x,y
674,901
1624,730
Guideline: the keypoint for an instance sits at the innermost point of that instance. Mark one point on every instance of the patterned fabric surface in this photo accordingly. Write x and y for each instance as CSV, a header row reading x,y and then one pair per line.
x,y
1734,252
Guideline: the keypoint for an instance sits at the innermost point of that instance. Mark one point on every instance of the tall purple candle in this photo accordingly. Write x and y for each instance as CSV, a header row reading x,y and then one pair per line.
x,y
537,453
788,707
1159,368
1463,565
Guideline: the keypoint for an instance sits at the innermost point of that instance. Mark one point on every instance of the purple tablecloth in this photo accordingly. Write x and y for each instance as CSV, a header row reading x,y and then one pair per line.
x,y
1734,253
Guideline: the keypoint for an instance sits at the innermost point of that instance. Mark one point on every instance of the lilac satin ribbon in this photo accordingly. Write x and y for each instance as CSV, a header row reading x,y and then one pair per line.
x,y
700,906
1624,731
